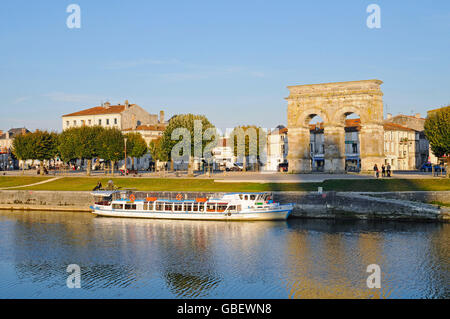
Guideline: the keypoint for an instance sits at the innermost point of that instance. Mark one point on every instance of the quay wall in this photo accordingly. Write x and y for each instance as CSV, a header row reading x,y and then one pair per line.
x,y
350,205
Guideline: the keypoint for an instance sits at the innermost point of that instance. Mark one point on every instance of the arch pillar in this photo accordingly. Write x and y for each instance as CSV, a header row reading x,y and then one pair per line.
x,y
371,138
334,145
299,156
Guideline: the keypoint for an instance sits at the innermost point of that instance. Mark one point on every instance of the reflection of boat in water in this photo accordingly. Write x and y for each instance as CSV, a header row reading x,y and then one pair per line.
x,y
231,206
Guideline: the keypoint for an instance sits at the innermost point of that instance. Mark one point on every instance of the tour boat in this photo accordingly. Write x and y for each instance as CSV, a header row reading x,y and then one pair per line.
x,y
231,206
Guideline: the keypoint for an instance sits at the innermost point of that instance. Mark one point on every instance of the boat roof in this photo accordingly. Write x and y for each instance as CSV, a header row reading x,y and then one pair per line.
x,y
104,193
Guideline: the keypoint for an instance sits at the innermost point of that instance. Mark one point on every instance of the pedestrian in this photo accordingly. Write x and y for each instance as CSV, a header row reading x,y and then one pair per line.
x,y
375,169
383,171
388,168
98,187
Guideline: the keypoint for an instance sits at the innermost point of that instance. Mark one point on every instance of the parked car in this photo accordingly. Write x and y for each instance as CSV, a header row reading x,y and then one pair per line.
x,y
283,167
234,167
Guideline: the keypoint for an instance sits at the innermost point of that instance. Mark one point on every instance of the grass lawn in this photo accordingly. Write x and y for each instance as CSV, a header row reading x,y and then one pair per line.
x,y
10,181
160,184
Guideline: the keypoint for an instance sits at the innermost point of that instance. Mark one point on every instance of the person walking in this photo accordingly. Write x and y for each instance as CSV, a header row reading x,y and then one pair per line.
x,y
375,169
388,168
383,171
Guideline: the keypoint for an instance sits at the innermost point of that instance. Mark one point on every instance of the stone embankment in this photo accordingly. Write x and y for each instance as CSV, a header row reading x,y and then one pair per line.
x,y
349,205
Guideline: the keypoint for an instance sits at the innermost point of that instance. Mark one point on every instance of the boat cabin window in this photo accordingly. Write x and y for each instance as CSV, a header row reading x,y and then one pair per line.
x,y
232,208
246,197
252,197
195,207
240,196
188,207
145,206
210,207
201,207
130,206
117,206
178,207
168,207
221,207
159,206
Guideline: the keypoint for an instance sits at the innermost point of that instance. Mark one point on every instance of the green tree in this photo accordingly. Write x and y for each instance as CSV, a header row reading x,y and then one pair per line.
x,y
110,145
156,151
136,146
86,147
437,131
43,146
248,141
202,137
22,148
67,144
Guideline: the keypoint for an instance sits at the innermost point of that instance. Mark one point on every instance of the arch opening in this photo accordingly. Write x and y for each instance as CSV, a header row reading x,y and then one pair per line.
x,y
352,147
316,142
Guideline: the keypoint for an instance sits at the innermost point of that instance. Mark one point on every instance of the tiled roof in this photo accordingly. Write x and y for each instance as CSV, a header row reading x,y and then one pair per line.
x,y
97,110
158,127
396,127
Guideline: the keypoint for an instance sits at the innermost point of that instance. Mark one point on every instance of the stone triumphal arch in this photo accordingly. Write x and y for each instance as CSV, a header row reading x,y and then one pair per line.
x,y
333,102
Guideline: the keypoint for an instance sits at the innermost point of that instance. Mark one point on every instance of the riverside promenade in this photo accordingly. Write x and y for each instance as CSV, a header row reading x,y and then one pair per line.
x,y
331,196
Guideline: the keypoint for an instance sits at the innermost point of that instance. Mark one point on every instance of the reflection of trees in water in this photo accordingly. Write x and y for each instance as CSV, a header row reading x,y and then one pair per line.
x,y
328,259
190,286
92,276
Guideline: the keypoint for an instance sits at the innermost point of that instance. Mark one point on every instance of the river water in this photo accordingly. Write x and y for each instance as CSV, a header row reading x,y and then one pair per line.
x,y
137,258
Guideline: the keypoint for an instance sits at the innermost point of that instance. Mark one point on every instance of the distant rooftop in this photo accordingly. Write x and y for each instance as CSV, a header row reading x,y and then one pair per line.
x,y
97,110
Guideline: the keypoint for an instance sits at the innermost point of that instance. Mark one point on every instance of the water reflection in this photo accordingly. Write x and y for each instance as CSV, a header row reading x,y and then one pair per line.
x,y
138,258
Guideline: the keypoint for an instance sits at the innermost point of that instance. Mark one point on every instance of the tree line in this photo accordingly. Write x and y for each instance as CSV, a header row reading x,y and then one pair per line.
x,y
90,142
437,131
83,143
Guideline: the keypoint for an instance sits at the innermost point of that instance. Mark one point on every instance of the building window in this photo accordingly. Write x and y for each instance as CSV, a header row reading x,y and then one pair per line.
x,y
89,122
67,123
355,148
82,122
107,121
74,122
115,121
99,122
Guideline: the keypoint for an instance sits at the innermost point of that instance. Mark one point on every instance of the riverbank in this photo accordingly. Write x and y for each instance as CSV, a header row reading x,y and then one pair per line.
x,y
327,205
210,185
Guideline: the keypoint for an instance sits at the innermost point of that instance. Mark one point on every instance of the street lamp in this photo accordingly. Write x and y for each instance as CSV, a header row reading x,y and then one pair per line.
x,y
125,156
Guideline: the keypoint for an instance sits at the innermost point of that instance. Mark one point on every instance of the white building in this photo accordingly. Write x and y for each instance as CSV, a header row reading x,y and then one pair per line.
x,y
121,116
277,148
223,153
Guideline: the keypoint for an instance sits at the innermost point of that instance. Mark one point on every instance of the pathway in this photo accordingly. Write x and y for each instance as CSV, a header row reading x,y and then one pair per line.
x,y
42,182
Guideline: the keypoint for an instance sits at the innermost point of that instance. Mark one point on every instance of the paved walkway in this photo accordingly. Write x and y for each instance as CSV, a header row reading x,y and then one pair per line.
x,y
42,182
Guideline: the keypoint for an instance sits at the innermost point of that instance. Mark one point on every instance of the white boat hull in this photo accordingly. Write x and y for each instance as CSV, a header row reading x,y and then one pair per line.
x,y
280,214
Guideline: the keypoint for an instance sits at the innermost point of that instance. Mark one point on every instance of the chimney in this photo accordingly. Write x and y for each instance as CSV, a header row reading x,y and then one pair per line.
x,y
388,116
106,105
161,117
417,115
127,105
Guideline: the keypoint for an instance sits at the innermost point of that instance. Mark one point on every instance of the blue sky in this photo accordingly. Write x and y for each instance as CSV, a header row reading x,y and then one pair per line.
x,y
229,60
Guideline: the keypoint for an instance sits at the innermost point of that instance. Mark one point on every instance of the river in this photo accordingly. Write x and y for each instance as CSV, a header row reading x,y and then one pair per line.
x,y
138,258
